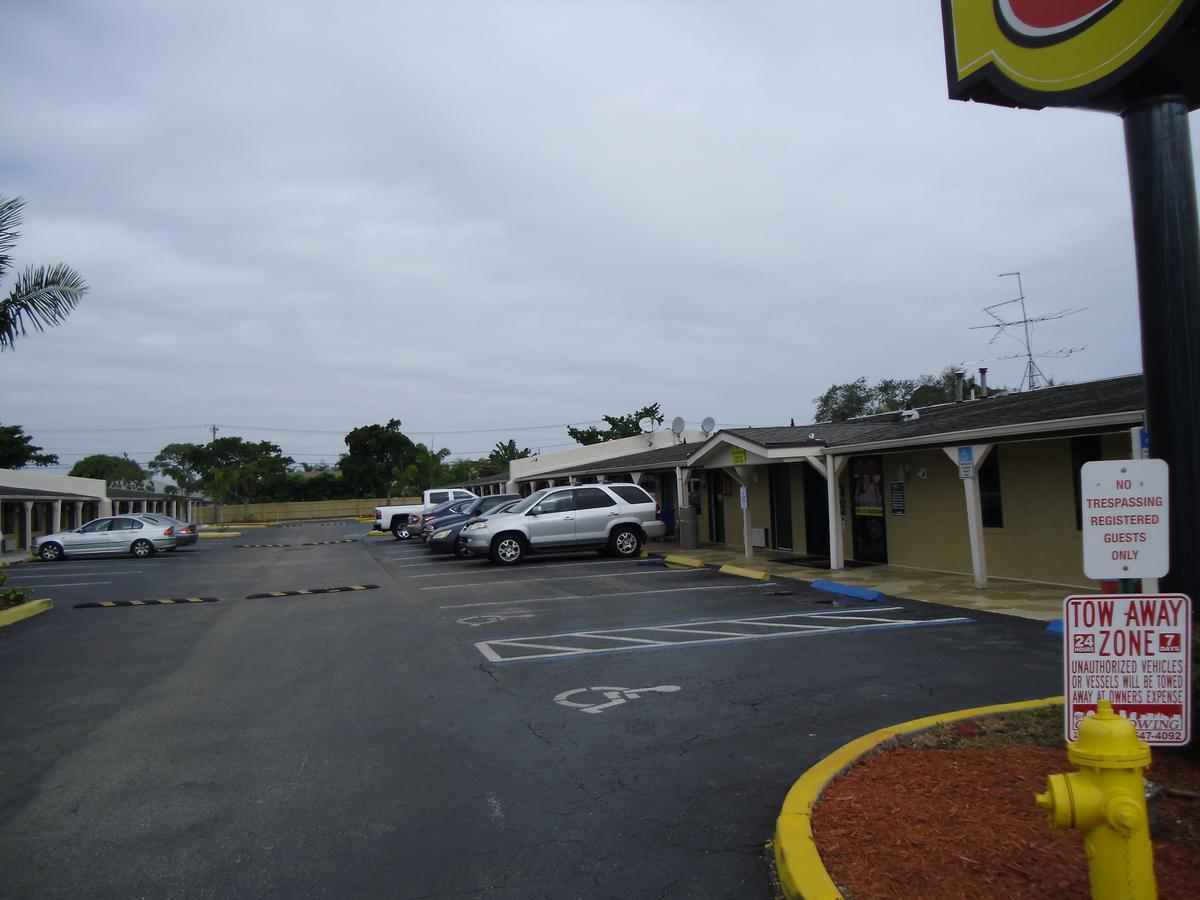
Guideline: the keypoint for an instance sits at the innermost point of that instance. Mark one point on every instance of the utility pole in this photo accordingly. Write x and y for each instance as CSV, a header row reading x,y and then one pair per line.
x,y
214,431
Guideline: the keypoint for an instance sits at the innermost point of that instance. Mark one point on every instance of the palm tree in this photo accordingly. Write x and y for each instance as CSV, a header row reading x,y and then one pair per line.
x,y
42,295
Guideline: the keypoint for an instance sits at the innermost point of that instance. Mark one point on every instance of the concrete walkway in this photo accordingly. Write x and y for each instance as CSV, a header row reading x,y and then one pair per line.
x,y
1027,599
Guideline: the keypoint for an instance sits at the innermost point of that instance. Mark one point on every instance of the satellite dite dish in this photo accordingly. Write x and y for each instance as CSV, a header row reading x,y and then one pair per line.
x,y
677,424
708,425
647,423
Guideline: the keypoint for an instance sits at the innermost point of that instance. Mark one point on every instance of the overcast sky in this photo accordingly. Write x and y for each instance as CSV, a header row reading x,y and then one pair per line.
x,y
299,217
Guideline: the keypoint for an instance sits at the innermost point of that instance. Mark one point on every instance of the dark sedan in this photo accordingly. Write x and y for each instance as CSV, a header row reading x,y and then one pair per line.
x,y
462,510
445,539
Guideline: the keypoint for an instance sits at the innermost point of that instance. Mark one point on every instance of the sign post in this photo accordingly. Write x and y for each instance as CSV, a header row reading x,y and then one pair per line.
x,y
1134,651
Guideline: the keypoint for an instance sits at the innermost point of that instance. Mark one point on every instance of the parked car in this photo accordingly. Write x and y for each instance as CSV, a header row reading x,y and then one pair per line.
x,y
398,519
106,536
445,539
471,510
185,532
417,521
616,518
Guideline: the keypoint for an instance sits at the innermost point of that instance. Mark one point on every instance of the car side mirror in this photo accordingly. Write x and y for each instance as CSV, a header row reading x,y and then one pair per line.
x,y
537,510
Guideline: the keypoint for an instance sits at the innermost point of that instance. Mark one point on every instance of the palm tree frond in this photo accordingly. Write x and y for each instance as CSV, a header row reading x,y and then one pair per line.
x,y
10,222
42,296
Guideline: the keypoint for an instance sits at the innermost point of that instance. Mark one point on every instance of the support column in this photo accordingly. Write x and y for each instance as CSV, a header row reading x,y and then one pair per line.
x,y
28,527
78,514
636,476
833,469
56,519
974,511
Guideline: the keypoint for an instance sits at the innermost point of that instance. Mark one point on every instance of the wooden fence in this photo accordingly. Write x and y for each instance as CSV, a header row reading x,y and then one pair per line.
x,y
277,512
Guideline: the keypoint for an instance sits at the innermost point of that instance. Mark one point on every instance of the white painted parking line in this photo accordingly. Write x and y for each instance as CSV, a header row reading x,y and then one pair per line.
x,y
581,643
97,572
600,562
495,583
417,566
717,587
70,584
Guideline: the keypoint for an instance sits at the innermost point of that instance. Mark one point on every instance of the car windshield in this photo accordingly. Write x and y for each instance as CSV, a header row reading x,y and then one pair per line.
x,y
526,504
473,507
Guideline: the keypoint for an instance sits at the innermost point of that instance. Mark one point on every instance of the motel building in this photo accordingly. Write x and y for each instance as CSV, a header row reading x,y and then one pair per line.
x,y
890,488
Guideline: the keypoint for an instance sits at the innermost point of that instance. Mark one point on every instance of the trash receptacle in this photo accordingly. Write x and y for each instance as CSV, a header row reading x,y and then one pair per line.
x,y
689,537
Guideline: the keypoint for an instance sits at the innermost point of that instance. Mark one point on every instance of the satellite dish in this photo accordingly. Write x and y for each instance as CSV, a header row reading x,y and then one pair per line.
x,y
647,424
708,425
677,424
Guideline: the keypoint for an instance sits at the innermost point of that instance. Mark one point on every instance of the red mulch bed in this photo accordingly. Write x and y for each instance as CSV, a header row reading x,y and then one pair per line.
x,y
949,823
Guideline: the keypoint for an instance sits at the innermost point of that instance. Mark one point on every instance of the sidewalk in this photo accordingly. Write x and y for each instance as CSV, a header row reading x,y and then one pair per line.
x,y
1027,599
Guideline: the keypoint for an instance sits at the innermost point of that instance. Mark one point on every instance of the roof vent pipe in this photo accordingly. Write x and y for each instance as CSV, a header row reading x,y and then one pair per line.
x,y
958,387
983,381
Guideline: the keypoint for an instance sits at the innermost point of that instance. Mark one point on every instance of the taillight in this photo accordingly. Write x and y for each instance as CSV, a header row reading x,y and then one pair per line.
x,y
170,532
658,510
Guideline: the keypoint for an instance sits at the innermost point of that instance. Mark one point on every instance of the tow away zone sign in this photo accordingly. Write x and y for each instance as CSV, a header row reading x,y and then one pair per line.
x,y
1135,651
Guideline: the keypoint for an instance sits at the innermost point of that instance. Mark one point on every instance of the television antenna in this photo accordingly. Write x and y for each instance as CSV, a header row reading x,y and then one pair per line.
x,y
1033,376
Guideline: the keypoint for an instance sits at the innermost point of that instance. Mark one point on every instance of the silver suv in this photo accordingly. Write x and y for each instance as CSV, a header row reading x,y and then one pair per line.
x,y
617,518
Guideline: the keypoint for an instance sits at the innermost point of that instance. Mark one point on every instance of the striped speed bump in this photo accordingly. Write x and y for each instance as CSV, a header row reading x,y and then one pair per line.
x,y
322,543
170,601
247,546
306,592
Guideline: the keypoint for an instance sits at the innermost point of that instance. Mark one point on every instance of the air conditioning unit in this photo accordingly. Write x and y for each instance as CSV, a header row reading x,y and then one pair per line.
x,y
758,537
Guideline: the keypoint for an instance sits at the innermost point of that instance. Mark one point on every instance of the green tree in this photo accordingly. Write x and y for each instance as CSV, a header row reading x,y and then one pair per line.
x,y
845,401
185,464
618,426
117,471
858,398
426,470
17,449
502,454
42,295
236,469
375,457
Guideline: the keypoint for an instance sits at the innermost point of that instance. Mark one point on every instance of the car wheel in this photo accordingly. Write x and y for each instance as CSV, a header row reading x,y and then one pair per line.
x,y
50,552
507,550
401,532
625,542
141,549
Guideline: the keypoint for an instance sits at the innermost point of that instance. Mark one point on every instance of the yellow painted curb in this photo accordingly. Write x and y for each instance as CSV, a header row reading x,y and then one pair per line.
x,y
364,519
219,534
690,561
756,574
239,525
801,872
25,611
379,534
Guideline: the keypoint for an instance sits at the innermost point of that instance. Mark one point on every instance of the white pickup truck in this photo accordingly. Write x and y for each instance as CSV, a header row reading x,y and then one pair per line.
x,y
399,519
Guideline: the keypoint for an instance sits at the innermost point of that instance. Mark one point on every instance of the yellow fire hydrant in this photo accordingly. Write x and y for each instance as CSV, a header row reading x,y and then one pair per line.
x,y
1106,800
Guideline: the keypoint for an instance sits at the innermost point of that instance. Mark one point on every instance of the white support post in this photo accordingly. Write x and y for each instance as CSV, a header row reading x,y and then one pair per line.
x,y
56,521
837,551
636,476
974,511
28,535
78,514
681,477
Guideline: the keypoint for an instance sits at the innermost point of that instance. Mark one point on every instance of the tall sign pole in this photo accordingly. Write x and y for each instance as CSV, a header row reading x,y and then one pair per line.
x,y
1167,240
1137,60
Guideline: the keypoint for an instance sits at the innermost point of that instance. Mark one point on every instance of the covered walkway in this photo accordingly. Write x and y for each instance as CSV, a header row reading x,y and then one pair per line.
x,y
1027,599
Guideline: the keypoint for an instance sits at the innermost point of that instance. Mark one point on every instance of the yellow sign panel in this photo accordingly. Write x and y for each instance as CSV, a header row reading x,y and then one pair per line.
x,y
1052,52
739,456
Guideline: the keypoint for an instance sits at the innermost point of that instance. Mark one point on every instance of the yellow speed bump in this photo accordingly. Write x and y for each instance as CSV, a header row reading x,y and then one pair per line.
x,y
690,562
756,574
24,611
801,872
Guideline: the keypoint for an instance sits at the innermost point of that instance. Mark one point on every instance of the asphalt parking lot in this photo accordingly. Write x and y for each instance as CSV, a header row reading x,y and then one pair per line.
x,y
573,726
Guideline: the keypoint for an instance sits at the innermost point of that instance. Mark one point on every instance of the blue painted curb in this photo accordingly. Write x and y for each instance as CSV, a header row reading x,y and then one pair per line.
x,y
1055,626
849,590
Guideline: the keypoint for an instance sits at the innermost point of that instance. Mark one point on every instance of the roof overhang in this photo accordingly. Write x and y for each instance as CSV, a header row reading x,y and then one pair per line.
x,y
717,452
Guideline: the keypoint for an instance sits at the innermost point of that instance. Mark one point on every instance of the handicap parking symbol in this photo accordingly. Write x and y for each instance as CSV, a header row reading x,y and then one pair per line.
x,y
603,698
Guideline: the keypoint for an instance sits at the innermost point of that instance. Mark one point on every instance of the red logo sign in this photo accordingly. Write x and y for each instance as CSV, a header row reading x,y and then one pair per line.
x,y
1048,21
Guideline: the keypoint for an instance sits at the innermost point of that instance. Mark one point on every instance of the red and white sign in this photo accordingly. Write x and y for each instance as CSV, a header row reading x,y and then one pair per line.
x,y
1135,651
1125,533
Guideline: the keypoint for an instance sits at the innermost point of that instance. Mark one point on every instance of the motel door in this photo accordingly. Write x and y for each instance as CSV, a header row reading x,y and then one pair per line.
x,y
816,512
866,504
716,507
780,477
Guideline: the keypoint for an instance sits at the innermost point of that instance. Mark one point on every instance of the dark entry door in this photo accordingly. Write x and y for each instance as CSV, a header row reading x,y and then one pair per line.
x,y
866,504
780,478
716,507
816,512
